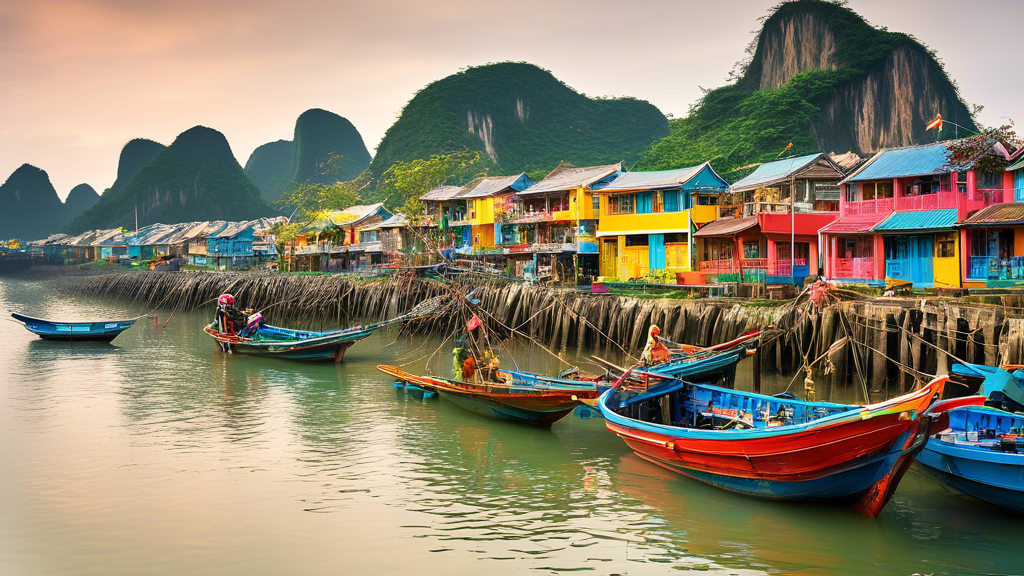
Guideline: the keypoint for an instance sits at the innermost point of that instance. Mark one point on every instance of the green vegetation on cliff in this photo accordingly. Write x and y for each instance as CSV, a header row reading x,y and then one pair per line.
x,y
135,155
31,208
822,78
195,178
519,118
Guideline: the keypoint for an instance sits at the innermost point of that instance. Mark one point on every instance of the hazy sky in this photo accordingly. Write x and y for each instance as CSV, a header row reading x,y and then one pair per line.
x,y
79,79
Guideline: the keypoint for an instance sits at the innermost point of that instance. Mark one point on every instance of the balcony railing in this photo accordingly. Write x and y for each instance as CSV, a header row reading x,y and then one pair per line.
x,y
880,205
722,266
755,208
854,268
993,268
748,263
785,266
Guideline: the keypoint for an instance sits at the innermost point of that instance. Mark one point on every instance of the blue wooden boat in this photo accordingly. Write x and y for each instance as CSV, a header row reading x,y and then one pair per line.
x,y
772,447
979,449
74,331
277,342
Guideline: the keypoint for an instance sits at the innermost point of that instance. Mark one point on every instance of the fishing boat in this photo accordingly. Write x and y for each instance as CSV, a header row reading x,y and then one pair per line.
x,y
979,449
275,342
531,403
74,331
774,447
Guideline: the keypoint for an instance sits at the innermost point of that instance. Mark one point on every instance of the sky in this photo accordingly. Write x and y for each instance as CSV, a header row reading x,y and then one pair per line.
x,y
79,79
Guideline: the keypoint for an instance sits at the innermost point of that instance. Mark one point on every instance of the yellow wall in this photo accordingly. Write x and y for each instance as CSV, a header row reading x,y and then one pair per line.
x,y
483,236
483,211
946,271
633,261
635,222
677,255
704,214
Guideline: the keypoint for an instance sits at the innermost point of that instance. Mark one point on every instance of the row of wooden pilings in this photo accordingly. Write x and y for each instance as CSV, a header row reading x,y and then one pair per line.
x,y
879,346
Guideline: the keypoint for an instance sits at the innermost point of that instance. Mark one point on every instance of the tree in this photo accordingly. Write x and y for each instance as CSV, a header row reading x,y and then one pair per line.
x,y
403,183
979,152
314,198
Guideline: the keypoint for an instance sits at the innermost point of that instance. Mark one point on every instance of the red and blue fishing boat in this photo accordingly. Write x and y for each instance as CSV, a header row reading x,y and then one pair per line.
x,y
104,330
774,447
531,403
979,449
274,342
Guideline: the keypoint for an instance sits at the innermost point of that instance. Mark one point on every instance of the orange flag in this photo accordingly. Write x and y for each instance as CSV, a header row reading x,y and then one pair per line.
x,y
937,123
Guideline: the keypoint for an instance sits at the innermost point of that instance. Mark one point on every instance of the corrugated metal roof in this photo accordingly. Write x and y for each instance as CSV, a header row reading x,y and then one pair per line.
x,y
772,172
918,220
726,226
565,178
488,186
1012,213
1017,166
442,193
653,180
858,223
901,162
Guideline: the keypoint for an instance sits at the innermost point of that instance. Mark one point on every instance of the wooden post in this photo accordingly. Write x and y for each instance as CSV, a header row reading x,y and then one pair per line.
x,y
756,367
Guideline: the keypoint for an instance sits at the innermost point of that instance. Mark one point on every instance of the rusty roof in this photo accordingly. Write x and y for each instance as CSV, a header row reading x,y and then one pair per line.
x,y
726,226
1012,213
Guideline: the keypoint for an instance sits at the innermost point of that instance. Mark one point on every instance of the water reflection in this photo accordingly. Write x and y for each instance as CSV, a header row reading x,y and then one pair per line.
x,y
161,454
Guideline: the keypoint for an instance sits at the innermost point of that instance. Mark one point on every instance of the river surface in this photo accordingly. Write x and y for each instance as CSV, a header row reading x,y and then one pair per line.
x,y
161,455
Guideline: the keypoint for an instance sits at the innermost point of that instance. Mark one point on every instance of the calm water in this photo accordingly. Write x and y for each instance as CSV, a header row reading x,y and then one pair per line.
x,y
160,455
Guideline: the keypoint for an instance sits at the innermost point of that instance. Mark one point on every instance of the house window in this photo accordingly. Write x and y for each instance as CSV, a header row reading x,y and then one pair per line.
x,y
670,200
945,245
703,200
961,182
645,203
622,204
883,190
752,249
597,204
658,207
990,180
636,240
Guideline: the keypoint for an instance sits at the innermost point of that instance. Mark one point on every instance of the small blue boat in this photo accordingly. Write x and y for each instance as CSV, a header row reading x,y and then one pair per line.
x,y
979,449
74,331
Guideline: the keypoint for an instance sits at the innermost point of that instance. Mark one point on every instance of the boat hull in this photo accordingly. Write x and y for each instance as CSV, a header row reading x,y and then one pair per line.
x,y
329,347
856,457
992,476
74,331
538,407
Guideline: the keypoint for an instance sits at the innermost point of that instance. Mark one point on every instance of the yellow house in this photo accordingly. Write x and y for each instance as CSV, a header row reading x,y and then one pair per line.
x,y
480,196
552,232
645,220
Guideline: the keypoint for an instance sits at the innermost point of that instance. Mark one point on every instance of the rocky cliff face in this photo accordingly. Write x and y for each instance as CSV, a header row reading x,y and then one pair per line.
x,y
795,44
889,107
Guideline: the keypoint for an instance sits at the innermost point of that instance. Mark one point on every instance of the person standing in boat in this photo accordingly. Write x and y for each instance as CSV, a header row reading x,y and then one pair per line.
x,y
229,318
655,352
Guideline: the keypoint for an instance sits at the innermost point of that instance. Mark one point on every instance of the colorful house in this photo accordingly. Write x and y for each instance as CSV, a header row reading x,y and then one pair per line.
x,y
333,241
487,199
773,238
446,212
552,231
646,218
898,215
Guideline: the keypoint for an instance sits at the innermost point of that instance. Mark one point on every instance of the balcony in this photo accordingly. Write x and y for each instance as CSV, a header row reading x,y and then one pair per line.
x,y
994,268
722,266
949,199
879,206
755,208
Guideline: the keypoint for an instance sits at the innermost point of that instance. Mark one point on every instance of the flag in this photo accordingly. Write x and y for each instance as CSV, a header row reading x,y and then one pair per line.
x,y
784,150
937,123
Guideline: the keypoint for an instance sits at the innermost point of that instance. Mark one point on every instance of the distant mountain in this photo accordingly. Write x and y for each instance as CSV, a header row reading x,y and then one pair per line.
x,y
80,199
195,178
31,207
270,168
824,79
327,148
134,156
521,118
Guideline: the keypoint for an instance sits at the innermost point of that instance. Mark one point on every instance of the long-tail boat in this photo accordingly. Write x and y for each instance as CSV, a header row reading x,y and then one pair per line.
x,y
773,447
531,403
74,331
979,447
275,342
